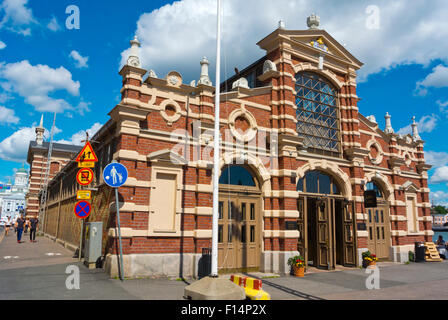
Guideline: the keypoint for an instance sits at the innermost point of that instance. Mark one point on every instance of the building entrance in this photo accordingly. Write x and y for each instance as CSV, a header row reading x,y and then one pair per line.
x,y
239,227
378,225
326,226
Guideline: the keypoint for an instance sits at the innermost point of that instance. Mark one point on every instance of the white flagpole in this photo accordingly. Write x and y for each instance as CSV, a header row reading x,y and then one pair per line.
x,y
216,170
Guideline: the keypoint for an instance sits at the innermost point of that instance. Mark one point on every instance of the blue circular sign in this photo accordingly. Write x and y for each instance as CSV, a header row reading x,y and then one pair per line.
x,y
115,175
83,209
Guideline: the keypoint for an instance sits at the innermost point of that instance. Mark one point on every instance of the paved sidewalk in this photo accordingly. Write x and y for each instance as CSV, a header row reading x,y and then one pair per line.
x,y
38,271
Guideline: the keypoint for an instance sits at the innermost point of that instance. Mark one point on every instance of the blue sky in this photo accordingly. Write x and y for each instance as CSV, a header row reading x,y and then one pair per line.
x,y
44,66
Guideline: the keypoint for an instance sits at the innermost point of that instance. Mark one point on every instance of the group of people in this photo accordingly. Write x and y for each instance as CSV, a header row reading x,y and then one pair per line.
x,y
22,225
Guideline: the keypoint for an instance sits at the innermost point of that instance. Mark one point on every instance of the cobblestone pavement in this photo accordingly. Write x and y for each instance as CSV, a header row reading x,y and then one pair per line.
x,y
38,271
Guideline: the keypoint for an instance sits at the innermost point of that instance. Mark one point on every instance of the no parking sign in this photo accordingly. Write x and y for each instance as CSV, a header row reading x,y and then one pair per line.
x,y
83,209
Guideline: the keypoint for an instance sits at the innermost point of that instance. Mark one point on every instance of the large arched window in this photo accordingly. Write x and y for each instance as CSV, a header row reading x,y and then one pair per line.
x,y
317,114
237,176
318,182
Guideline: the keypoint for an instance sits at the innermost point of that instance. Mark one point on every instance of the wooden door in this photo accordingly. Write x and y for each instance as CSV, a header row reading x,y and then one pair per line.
x,y
239,233
248,242
302,242
324,252
378,227
349,235
227,233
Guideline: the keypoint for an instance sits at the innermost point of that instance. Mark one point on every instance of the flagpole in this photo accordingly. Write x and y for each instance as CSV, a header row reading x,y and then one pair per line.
x,y
216,171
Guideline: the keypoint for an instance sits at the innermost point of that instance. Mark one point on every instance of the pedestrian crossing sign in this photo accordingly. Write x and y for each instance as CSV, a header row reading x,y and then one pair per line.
x,y
87,154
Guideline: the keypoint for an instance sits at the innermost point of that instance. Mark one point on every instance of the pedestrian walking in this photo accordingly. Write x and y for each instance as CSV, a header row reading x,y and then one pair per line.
x,y
8,225
27,225
33,228
20,224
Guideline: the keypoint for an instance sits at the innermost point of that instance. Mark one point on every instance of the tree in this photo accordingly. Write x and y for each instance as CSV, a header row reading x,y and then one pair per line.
x,y
440,210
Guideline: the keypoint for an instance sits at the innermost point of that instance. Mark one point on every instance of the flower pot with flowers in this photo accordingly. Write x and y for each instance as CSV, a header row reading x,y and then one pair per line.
x,y
297,264
368,259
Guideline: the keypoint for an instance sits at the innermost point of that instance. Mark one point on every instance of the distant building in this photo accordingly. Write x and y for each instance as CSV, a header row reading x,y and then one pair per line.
x,y
439,219
37,159
12,196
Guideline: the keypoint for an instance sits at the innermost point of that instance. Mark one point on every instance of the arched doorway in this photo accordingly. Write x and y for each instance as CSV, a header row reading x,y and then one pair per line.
x,y
239,227
378,224
326,222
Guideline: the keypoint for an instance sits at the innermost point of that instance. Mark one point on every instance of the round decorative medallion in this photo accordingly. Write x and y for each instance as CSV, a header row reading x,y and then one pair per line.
x,y
173,80
375,152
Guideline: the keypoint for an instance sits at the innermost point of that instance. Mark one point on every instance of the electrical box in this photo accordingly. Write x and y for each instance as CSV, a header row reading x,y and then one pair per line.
x,y
94,244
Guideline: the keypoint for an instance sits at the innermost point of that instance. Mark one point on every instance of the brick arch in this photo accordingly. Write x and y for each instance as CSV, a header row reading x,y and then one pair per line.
x,y
331,76
331,169
238,157
383,183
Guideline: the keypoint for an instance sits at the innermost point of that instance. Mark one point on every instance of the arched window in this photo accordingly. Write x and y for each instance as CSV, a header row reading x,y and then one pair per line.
x,y
318,182
373,186
237,175
317,114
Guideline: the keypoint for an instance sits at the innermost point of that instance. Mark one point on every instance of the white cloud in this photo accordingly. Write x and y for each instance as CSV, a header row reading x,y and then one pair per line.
x,y
15,147
177,35
35,83
8,116
2,45
16,16
53,25
436,159
81,62
440,175
443,106
439,198
425,124
78,137
438,78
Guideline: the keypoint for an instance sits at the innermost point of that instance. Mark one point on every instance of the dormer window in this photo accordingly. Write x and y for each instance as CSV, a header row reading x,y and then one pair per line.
x,y
317,114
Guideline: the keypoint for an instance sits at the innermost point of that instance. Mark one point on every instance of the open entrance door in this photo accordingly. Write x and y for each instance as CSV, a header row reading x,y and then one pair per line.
x,y
324,255
302,243
349,234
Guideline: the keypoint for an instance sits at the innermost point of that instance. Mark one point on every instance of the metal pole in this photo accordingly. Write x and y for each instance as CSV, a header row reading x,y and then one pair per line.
x,y
216,170
119,234
80,239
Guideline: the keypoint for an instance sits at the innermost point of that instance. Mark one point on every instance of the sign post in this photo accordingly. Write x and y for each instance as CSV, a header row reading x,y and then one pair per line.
x,y
115,175
86,159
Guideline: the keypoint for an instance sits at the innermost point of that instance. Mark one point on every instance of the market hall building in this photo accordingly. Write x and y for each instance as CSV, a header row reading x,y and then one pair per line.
x,y
296,158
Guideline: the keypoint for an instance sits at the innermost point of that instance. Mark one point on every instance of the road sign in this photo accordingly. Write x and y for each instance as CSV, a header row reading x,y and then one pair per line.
x,y
115,175
84,176
87,154
86,164
84,195
82,209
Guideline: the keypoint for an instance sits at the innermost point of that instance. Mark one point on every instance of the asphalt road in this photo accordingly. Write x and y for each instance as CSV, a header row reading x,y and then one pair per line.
x,y
31,271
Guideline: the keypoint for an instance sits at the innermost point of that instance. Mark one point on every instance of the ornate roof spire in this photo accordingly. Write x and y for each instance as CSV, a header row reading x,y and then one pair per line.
x,y
281,24
313,22
134,59
388,128
40,132
204,79
415,134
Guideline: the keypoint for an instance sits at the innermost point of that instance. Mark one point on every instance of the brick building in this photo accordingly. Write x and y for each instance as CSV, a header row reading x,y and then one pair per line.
x,y
296,155
37,159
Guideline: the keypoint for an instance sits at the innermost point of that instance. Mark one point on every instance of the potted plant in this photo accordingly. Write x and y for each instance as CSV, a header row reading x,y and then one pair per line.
x,y
297,264
368,259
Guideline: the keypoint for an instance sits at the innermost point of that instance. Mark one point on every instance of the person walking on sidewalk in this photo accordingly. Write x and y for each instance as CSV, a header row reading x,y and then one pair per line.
x,y
8,225
27,225
33,228
19,223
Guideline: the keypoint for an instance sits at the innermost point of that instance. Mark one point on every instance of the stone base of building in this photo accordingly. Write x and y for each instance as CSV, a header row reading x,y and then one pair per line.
x,y
155,265
401,253
276,261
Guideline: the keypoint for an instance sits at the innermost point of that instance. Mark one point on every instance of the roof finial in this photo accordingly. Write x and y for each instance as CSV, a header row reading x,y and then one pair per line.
x,y
204,79
313,21
40,130
388,128
415,135
281,24
41,125
133,59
